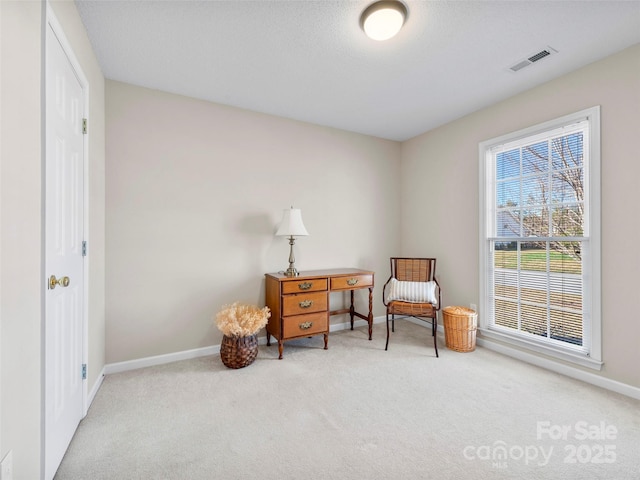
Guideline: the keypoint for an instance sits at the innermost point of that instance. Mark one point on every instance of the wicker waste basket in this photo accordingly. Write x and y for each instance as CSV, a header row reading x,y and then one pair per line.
x,y
239,352
460,325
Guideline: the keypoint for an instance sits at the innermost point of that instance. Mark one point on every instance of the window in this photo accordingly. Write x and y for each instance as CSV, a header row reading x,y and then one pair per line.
x,y
540,239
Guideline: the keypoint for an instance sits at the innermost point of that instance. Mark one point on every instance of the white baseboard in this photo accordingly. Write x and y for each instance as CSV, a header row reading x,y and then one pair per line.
x,y
199,352
597,380
569,371
160,359
549,364
94,391
336,327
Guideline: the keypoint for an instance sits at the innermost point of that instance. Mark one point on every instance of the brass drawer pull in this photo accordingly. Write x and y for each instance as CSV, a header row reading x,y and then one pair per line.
x,y
305,285
306,325
305,303
352,281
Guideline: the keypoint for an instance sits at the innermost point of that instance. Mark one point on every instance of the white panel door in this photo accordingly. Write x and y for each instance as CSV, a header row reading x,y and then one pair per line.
x,y
64,232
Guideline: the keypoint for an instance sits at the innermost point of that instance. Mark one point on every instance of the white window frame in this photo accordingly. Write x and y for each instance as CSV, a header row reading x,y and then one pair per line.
x,y
591,356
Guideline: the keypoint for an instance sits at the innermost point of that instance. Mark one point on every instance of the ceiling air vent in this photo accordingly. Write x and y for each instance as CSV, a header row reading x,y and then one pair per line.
x,y
533,58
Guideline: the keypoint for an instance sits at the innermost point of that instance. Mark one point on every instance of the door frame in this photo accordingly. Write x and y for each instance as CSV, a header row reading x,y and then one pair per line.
x,y
51,21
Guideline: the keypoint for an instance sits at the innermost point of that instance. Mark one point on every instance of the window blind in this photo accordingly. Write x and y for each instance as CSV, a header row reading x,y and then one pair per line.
x,y
538,234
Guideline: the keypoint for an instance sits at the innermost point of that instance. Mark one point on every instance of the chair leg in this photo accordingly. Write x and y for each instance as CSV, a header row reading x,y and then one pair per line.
x,y
387,345
393,322
435,328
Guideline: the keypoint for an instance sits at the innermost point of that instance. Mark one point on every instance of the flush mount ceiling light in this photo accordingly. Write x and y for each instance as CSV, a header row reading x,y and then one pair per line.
x,y
384,19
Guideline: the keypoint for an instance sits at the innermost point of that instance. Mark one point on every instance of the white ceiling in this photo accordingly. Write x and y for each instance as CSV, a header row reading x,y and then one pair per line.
x,y
309,60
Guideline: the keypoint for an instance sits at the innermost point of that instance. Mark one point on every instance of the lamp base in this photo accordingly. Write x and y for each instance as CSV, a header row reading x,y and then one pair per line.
x,y
291,272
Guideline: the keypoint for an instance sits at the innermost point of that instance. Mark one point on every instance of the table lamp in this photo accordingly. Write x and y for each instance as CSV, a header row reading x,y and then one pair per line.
x,y
292,226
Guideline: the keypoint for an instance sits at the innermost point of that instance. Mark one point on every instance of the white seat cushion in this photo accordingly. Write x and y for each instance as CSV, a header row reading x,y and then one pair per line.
x,y
414,292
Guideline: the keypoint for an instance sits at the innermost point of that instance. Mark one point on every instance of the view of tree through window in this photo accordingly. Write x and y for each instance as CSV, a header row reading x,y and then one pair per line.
x,y
538,243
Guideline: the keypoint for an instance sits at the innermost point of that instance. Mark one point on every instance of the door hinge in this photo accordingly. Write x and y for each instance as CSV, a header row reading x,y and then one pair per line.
x,y
84,126
84,248
84,371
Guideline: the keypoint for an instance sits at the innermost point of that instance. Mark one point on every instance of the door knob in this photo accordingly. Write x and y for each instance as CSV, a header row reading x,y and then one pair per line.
x,y
62,281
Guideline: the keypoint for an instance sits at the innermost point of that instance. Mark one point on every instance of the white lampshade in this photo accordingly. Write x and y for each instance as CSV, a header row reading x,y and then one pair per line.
x,y
291,225
384,19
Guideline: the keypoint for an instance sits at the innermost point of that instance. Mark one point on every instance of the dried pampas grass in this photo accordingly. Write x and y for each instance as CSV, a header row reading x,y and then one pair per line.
x,y
238,320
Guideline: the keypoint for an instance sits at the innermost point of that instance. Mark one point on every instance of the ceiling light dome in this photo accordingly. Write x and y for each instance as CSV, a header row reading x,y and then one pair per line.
x,y
384,19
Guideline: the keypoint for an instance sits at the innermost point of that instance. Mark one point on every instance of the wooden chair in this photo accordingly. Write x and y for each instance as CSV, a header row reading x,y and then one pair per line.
x,y
412,270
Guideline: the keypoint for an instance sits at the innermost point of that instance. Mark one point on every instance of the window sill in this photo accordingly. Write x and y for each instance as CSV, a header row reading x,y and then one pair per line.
x,y
533,347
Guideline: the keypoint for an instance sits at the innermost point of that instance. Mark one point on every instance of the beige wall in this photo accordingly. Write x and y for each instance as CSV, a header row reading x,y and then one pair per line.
x,y
195,191
445,161
21,234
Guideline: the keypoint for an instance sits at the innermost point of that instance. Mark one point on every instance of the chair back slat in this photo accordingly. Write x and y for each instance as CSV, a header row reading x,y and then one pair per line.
x,y
413,269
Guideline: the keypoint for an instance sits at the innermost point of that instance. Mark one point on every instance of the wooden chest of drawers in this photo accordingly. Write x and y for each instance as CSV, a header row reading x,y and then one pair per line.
x,y
300,305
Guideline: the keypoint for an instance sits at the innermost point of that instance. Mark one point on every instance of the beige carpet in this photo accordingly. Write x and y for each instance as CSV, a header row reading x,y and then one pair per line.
x,y
355,412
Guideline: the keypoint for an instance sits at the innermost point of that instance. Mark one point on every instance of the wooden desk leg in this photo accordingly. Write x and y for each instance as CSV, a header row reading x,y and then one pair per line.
x,y
326,341
280,348
352,310
370,319
268,339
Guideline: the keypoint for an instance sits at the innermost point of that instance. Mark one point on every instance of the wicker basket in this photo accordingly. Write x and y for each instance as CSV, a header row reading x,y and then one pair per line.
x,y
460,325
239,352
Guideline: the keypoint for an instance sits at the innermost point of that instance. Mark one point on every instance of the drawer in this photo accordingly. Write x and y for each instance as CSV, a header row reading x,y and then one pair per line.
x,y
303,325
300,286
305,303
351,282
